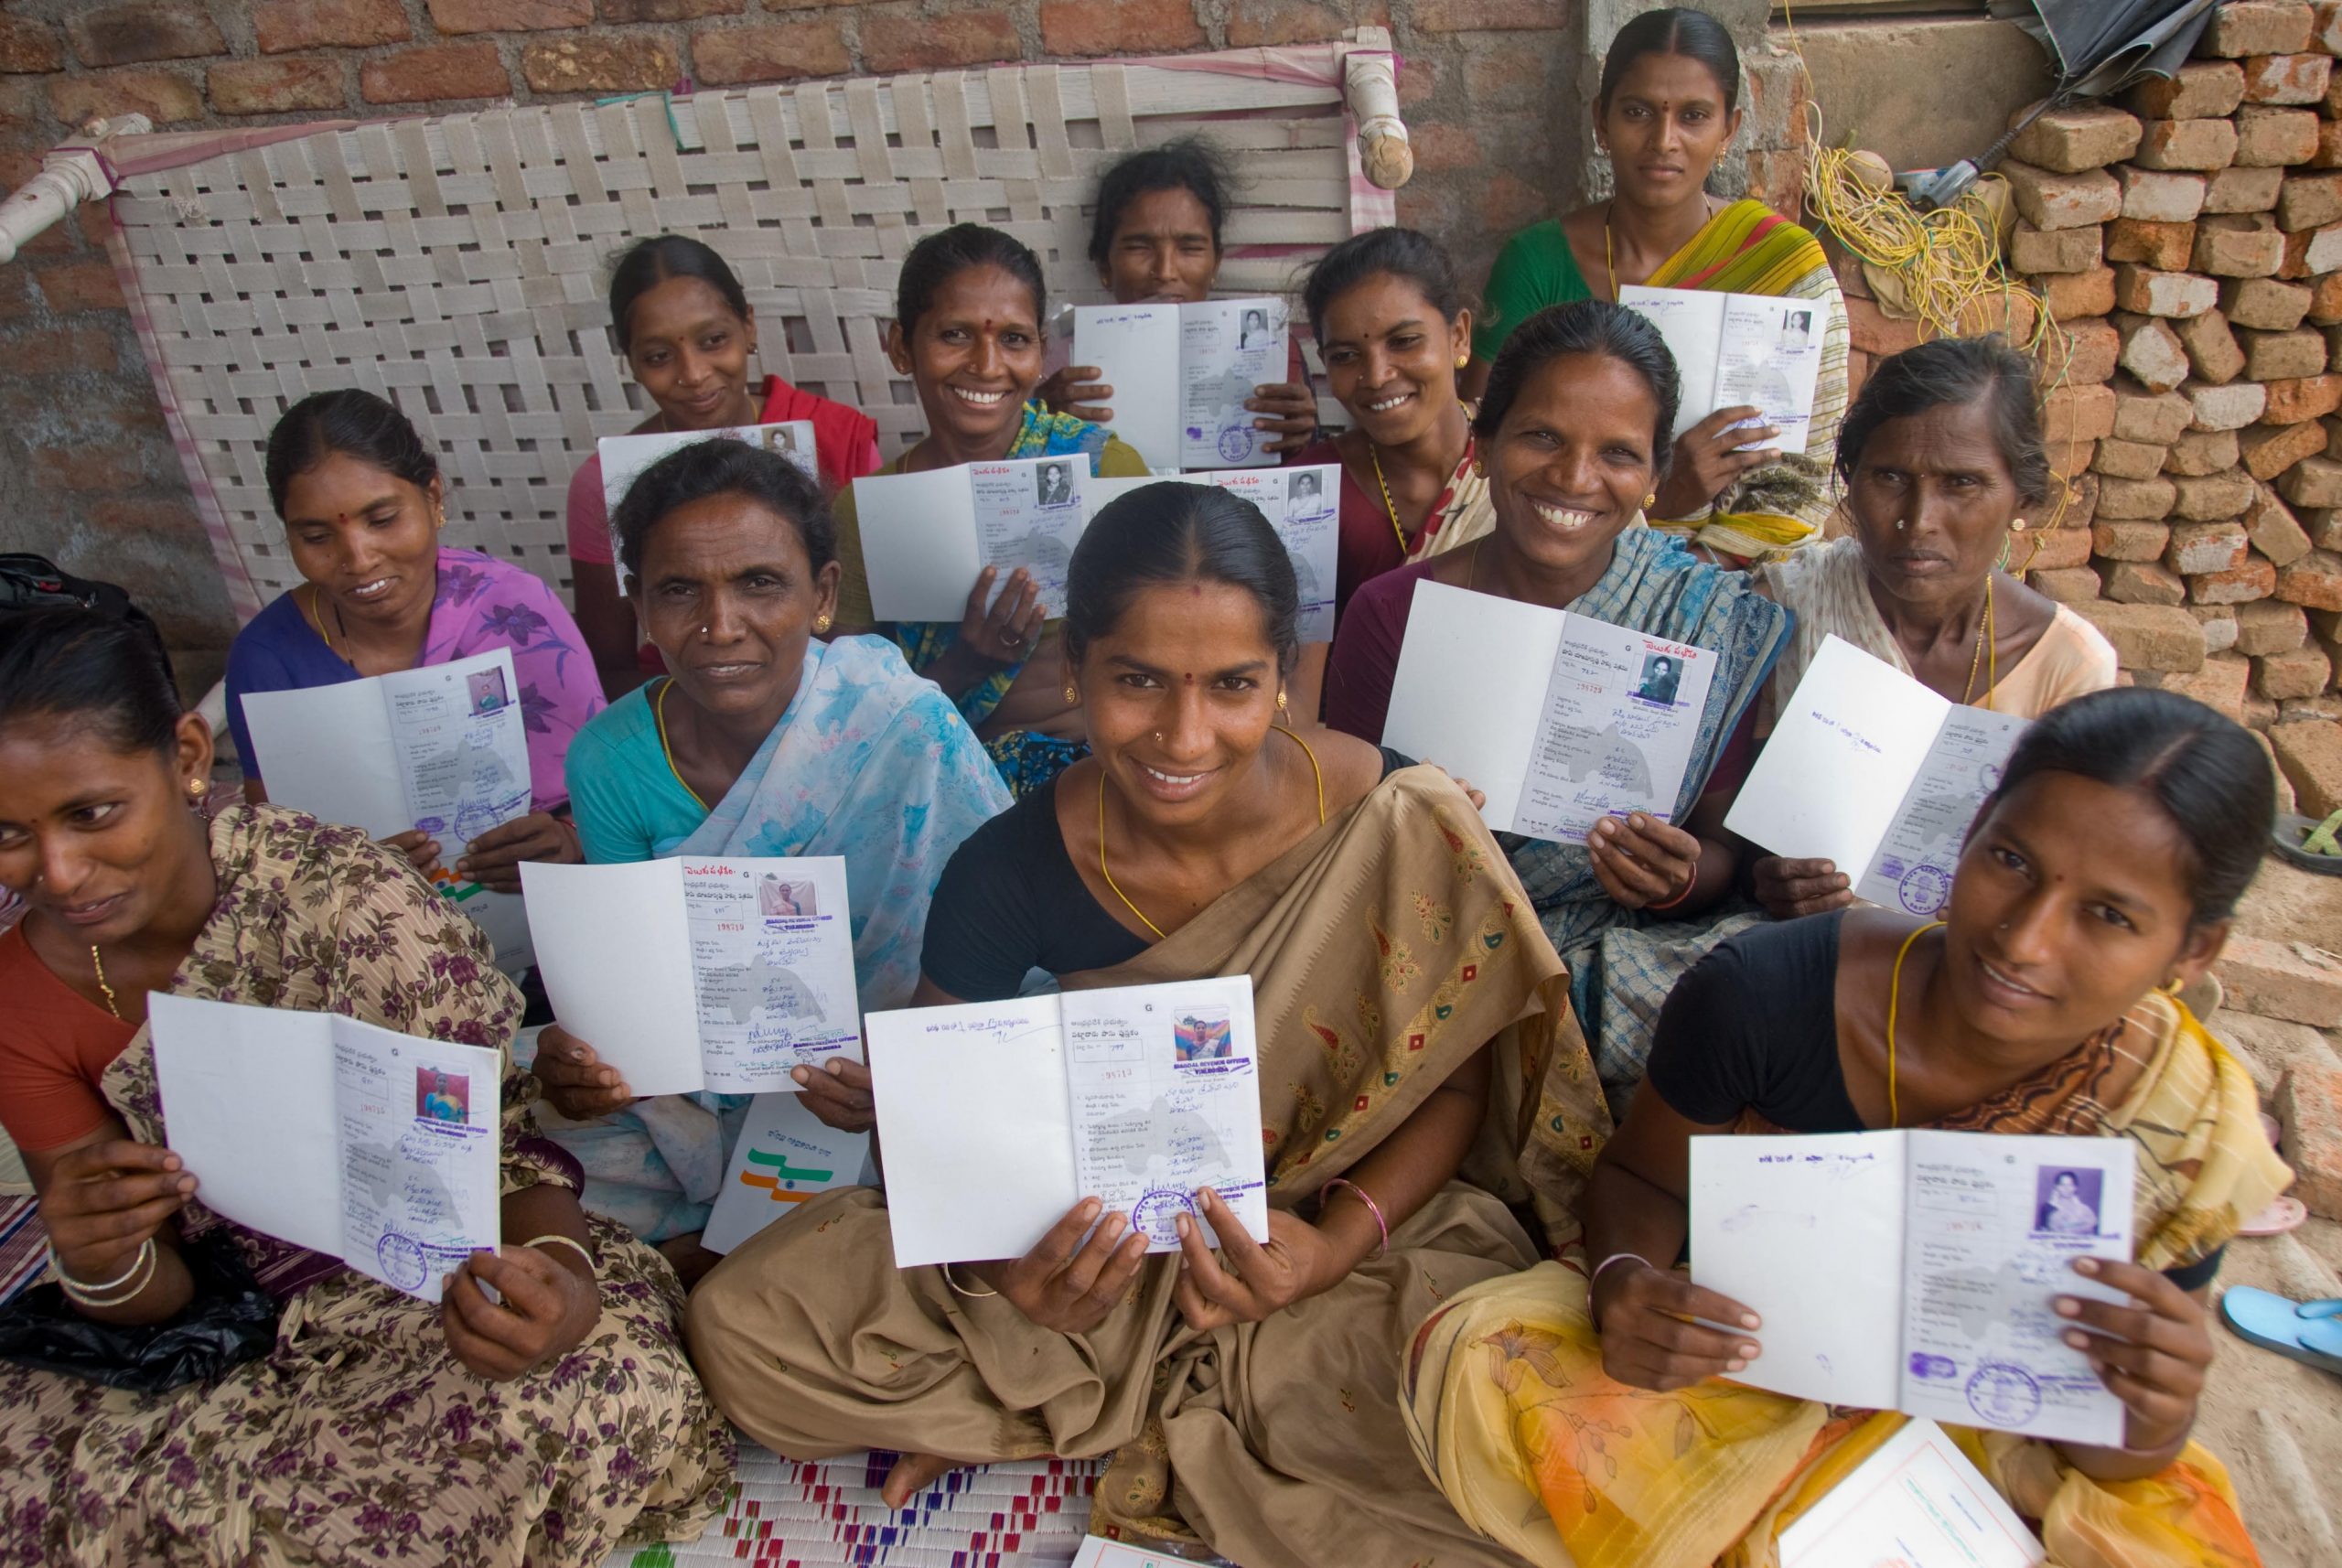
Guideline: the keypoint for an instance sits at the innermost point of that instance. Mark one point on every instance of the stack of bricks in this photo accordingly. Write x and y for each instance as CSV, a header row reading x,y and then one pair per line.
x,y
2190,242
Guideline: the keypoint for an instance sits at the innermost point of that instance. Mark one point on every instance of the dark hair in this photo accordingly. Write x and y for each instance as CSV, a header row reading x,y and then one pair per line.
x,y
1585,327
716,466
940,257
1401,253
653,262
1956,371
1675,30
73,663
1171,531
2206,771
355,424
1190,163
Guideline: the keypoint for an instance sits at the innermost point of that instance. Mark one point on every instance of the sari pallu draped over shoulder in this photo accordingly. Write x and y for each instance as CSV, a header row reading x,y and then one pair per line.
x,y
1384,951
1512,1413
359,1435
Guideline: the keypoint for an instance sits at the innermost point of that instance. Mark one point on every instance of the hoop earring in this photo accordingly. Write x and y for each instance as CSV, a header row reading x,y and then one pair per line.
x,y
2173,987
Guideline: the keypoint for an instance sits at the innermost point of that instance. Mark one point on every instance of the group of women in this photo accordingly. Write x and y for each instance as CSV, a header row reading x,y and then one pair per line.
x,y
1466,1334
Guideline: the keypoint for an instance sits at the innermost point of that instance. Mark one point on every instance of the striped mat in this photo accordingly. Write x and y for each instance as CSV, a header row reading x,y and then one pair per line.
x,y
827,1514
24,1246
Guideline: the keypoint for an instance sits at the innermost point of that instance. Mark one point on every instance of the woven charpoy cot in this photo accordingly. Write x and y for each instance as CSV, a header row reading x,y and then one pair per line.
x,y
458,265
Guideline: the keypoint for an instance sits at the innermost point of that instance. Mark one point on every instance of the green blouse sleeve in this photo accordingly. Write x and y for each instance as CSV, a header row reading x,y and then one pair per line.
x,y
1535,269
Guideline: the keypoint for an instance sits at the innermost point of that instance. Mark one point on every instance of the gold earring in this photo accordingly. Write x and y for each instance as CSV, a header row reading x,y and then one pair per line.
x,y
2173,986
2018,527
820,623
1462,360
1071,695
1651,500
197,788
1282,705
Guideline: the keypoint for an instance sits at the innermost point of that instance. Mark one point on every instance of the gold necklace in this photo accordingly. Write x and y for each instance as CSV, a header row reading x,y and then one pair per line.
x,y
1388,508
1894,998
103,988
1986,636
317,619
659,713
1109,875
1609,264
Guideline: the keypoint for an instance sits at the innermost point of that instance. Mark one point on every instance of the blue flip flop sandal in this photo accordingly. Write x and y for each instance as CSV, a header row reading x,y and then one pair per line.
x,y
2309,1331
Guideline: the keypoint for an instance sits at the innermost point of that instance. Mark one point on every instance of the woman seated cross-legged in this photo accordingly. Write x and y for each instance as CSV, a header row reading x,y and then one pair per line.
x,y
544,1423
765,741
2098,881
1413,1028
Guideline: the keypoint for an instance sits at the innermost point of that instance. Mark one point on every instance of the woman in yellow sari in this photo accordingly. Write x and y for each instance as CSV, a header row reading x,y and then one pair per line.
x,y
1668,107
1413,1026
1579,1417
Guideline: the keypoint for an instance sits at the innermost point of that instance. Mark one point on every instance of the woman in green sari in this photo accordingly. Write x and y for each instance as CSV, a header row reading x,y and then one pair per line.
x,y
1668,107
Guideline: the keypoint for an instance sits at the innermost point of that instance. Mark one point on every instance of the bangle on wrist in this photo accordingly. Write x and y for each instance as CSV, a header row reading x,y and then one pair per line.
x,y
1595,1278
1685,892
554,1238
1371,1207
123,1288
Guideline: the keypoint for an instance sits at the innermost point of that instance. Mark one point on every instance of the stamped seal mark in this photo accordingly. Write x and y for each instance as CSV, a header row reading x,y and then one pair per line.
x,y
1924,889
1157,1213
2004,1395
1235,443
403,1260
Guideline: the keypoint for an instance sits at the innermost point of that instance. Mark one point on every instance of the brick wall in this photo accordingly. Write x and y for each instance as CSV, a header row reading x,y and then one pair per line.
x,y
87,472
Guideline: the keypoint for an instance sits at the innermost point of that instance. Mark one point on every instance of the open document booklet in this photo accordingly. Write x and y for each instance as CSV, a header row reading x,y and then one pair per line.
x,y
1915,1503
625,458
998,1117
377,1148
784,1156
1870,771
1181,374
702,972
1299,504
1754,350
443,748
1916,1270
1568,720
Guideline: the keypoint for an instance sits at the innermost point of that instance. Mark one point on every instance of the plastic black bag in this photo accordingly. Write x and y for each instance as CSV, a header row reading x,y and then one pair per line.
x,y
230,1320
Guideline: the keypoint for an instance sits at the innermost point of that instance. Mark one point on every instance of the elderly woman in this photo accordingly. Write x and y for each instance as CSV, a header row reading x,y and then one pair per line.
x,y
363,505
2098,881
544,1423
765,741
1667,106
1154,238
1572,434
1406,1004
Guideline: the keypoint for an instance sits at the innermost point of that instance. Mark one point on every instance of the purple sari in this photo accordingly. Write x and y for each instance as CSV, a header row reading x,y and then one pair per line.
x,y
481,604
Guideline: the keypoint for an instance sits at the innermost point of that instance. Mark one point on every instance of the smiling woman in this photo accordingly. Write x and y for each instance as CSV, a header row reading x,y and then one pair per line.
x,y
1405,1003
363,504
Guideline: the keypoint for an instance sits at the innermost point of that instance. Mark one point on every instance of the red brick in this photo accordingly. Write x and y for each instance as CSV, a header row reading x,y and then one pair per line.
x,y
2270,626
80,286
2292,980
2071,295
2143,583
2064,584
1509,202
2061,549
2243,27
2313,482
1440,147
2303,397
2329,146
1484,16
2269,450
1153,26
2313,582
2251,580
2052,200
2313,252
2308,1105
2148,636
1272,23
2199,452
2077,413
2236,189
2153,293
2267,138
509,15
2129,540
2196,548
2327,27
29,46
773,53
163,96
2300,673
2274,530
2160,196
601,63
280,27
2186,145
615,11
2153,353
2229,407
2311,758
2085,137
2309,201
96,469
143,30
2239,246
446,71
2278,356
2092,348
2037,251
2211,348
276,86
2264,304
2204,90
2210,496
938,43
2166,247
2155,418
2287,79
52,349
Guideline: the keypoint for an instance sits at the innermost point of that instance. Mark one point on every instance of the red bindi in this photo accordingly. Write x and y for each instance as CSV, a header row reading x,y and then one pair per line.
x,y
1189,677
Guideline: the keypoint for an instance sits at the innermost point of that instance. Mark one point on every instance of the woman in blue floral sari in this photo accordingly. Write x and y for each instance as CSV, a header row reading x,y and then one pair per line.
x,y
1573,431
765,741
967,331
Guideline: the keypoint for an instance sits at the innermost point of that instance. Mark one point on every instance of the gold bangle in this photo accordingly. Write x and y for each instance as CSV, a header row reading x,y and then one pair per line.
x,y
572,1243
963,1289
123,1288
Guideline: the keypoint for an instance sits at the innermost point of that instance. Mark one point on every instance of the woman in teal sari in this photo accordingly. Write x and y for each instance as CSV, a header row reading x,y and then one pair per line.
x,y
967,331
766,741
1571,434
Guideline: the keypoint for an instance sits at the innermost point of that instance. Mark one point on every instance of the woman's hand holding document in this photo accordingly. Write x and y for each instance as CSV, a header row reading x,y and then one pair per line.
x,y
1873,774
374,1147
1921,1270
716,973
1180,375
1572,720
1012,1128
1300,504
926,535
1750,351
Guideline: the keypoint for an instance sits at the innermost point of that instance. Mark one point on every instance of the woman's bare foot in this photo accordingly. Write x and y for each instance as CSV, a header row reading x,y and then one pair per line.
x,y
691,1260
912,1475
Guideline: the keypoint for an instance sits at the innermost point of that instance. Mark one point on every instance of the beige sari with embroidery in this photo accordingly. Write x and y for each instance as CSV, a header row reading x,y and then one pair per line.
x,y
1384,950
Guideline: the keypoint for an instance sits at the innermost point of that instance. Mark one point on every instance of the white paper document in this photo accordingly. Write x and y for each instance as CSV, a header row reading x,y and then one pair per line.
x,y
1181,374
624,458
1915,1270
1570,720
784,1157
703,971
443,748
374,1147
1755,351
998,1117
1870,771
1915,1503
925,536
1300,504
1097,1552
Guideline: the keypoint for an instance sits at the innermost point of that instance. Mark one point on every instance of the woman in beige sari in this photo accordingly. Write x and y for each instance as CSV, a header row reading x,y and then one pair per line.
x,y
1414,1029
